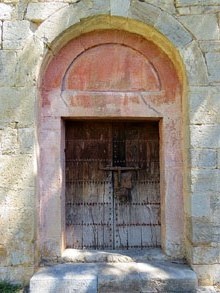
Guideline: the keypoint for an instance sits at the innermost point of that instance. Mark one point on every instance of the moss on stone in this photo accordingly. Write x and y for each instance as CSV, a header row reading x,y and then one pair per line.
x,y
6,287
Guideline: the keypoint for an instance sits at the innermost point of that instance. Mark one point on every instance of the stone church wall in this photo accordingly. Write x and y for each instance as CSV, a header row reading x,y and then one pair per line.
x,y
27,32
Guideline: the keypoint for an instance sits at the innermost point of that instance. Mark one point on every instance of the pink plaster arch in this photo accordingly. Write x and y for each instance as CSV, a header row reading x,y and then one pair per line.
x,y
81,82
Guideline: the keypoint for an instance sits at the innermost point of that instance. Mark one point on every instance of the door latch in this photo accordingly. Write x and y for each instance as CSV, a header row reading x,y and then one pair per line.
x,y
123,185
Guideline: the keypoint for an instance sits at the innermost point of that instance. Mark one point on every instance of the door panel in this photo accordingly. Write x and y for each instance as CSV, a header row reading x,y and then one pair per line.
x,y
88,188
137,215
112,185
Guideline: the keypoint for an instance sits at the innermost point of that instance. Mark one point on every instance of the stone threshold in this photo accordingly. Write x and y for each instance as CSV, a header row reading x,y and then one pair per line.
x,y
128,277
118,271
112,256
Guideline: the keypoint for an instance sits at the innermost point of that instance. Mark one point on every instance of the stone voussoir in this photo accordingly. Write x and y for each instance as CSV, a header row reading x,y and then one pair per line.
x,y
203,27
38,12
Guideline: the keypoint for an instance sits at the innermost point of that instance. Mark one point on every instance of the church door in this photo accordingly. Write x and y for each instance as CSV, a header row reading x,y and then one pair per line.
x,y
112,185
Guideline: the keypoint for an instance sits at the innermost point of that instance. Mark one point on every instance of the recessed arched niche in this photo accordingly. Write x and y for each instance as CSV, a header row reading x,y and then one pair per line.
x,y
113,67
110,146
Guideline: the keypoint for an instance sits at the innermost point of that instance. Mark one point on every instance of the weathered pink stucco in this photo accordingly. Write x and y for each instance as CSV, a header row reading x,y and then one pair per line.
x,y
109,75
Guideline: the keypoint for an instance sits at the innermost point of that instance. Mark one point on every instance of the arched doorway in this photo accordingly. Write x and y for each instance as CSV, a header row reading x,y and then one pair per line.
x,y
112,93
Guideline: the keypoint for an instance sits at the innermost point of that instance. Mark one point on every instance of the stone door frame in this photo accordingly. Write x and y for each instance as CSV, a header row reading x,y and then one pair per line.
x,y
57,105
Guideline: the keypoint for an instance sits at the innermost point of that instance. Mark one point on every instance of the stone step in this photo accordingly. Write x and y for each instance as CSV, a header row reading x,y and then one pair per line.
x,y
156,276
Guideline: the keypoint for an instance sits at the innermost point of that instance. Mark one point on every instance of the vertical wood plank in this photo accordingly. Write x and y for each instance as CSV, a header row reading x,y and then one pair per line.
x,y
88,188
90,209
138,220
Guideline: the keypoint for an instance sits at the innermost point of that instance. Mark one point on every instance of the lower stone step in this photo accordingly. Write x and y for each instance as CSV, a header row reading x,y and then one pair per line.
x,y
129,277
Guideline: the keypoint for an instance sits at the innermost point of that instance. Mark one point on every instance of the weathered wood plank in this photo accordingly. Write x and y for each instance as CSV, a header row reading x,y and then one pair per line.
x,y
94,218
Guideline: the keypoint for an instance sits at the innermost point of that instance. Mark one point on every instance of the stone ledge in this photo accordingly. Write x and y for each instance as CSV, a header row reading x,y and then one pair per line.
x,y
88,256
115,277
98,256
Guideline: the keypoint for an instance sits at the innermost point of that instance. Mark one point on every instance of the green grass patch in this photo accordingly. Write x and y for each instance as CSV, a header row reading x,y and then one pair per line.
x,y
6,287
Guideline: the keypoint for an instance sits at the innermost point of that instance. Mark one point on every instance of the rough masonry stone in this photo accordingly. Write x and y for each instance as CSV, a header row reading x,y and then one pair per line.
x,y
213,64
167,5
38,12
209,46
5,11
215,207
205,255
205,136
196,2
219,158
120,7
26,140
11,1
17,237
200,204
9,141
7,69
18,274
195,10
17,173
15,33
17,106
9,197
203,158
200,231
204,9
57,24
144,12
204,105
173,30
204,180
203,27
1,34
195,64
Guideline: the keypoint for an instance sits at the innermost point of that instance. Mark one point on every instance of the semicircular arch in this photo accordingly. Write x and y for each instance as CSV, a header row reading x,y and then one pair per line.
x,y
145,85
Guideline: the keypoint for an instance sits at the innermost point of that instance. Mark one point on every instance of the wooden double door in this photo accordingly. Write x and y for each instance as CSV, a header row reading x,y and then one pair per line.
x,y
112,185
